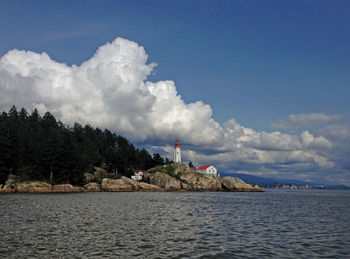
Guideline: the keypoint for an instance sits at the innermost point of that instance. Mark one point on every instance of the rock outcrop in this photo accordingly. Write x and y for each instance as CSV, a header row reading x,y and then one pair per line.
x,y
236,184
12,179
114,185
141,186
10,183
127,184
201,182
163,180
92,187
170,177
149,187
66,188
33,186
178,176
6,188
97,176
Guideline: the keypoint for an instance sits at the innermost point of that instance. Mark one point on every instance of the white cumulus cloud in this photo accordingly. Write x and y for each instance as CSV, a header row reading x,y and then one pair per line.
x,y
110,90
305,120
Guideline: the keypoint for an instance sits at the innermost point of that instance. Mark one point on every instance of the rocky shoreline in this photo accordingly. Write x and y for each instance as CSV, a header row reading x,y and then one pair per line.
x,y
173,177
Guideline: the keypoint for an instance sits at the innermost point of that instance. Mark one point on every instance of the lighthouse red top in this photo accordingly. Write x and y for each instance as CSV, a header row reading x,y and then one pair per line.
x,y
177,144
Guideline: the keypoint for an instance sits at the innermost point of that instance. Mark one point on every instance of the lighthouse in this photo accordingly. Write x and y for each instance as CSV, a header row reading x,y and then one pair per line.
x,y
177,153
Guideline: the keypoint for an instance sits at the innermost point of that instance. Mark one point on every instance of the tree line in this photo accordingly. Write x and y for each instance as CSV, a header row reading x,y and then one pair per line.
x,y
42,148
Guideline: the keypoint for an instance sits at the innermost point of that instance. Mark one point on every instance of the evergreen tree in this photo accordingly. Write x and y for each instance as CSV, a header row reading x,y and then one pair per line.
x,y
40,148
5,163
158,160
13,138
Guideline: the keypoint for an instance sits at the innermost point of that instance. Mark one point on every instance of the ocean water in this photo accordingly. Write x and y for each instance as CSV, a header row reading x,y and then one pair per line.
x,y
273,224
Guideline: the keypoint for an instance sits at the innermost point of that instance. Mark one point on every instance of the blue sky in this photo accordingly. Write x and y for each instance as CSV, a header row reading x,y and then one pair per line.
x,y
255,61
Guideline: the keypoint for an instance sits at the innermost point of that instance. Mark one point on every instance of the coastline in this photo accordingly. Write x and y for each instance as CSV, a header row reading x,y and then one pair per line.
x,y
111,185
172,177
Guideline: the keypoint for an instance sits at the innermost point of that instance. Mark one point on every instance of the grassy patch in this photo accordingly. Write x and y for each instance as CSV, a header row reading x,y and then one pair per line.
x,y
155,169
170,170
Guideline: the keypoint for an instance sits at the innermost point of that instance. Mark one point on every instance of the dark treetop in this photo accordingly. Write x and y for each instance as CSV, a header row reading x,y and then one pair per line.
x,y
41,148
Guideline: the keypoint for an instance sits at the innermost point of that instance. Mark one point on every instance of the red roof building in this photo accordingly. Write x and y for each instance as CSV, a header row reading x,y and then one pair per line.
x,y
138,175
208,169
203,167
136,171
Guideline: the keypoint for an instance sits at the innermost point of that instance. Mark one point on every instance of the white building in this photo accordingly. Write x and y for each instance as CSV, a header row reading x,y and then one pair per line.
x,y
138,174
208,169
177,151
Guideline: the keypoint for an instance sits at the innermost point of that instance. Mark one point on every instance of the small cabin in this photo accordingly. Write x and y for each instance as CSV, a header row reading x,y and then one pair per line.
x,y
138,175
208,169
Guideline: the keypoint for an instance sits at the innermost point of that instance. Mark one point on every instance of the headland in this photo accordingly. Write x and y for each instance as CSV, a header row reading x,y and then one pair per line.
x,y
169,177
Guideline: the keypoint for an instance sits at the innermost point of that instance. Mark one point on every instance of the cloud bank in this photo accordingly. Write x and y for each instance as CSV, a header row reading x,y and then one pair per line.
x,y
305,120
110,90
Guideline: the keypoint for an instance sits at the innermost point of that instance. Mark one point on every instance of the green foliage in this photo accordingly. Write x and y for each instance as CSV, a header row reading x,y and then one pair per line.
x,y
158,160
170,170
38,148
167,169
167,161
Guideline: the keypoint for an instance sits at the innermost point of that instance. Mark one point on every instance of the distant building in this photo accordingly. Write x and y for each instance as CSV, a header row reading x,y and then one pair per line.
x,y
138,175
177,152
208,169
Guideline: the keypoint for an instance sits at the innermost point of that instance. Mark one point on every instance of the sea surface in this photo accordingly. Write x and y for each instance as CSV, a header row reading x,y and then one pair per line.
x,y
273,224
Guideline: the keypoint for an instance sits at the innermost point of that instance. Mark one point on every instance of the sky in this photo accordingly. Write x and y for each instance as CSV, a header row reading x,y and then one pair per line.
x,y
257,87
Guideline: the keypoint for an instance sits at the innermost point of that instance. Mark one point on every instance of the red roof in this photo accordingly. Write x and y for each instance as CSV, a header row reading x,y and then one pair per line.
x,y
203,167
143,171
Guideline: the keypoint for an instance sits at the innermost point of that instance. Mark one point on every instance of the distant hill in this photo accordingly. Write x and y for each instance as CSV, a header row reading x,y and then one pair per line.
x,y
265,181
252,179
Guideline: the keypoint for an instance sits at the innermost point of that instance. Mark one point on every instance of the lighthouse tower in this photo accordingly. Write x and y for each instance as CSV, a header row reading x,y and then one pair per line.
x,y
177,153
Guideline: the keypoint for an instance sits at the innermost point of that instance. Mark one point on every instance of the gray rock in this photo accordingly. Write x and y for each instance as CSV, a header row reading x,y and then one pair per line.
x,y
12,179
66,188
97,176
33,186
140,186
236,184
115,185
127,184
201,182
164,181
92,187
178,176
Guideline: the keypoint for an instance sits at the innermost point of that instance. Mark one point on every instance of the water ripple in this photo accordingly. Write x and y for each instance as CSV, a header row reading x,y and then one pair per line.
x,y
176,225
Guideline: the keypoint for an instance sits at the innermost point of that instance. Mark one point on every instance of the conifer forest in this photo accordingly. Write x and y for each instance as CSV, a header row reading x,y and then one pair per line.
x,y
36,147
